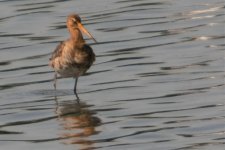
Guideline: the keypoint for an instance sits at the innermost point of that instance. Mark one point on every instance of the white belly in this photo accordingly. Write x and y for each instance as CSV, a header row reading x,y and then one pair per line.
x,y
65,70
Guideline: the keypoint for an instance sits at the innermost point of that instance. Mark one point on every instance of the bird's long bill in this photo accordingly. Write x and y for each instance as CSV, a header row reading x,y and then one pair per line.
x,y
81,27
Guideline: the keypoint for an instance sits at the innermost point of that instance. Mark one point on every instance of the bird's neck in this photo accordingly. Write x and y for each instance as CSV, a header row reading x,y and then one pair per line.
x,y
76,36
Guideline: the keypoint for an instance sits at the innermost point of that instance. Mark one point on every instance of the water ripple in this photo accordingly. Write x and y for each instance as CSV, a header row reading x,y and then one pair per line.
x,y
158,79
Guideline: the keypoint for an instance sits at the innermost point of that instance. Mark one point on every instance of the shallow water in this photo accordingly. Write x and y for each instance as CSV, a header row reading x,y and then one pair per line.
x,y
157,83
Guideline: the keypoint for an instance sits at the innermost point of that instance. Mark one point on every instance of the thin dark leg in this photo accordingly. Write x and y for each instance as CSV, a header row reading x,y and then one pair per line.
x,y
55,80
75,89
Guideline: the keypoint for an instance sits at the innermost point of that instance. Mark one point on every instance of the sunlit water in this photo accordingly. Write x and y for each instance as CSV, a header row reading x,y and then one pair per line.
x,y
157,83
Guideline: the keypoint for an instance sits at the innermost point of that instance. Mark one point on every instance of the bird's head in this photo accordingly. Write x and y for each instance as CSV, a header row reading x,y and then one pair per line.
x,y
74,21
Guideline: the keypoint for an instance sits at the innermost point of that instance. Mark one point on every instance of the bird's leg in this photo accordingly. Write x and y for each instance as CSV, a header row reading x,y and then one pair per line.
x,y
75,89
55,79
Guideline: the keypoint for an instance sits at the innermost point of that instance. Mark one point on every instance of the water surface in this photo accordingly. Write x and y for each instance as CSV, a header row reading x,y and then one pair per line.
x,y
157,83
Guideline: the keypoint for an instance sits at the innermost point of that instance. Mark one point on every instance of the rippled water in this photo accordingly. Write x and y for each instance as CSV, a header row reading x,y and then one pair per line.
x,y
157,83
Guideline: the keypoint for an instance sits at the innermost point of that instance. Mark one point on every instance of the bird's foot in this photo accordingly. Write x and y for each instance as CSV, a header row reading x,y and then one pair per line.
x,y
78,99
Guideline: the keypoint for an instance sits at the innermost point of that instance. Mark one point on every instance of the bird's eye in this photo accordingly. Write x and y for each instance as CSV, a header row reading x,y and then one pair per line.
x,y
74,20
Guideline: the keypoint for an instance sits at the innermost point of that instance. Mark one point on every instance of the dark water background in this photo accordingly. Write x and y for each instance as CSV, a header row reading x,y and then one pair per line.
x,y
157,83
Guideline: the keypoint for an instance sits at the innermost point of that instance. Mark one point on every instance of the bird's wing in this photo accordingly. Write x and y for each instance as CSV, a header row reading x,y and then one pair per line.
x,y
58,51
91,55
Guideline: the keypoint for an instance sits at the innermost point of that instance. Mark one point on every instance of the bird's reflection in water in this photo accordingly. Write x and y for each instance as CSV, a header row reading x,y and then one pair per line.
x,y
78,123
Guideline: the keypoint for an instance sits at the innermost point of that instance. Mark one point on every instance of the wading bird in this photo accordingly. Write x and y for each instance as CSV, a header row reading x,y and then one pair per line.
x,y
73,57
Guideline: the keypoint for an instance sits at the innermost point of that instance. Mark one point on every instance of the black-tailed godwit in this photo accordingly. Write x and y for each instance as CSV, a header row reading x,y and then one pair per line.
x,y
73,57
